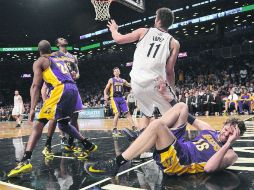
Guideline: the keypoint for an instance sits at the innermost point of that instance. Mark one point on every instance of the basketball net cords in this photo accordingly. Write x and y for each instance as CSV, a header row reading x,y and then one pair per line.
x,y
101,9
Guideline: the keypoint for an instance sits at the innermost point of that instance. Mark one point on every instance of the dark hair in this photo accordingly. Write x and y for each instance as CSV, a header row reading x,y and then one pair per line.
x,y
166,16
56,42
115,68
44,47
235,121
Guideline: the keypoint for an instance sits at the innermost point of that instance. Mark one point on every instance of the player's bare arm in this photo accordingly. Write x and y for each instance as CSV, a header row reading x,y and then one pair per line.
x,y
77,69
75,75
174,46
126,38
106,90
225,157
44,92
35,88
126,83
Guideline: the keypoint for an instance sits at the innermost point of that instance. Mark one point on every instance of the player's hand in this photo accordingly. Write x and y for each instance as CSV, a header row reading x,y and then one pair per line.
x,y
106,99
112,25
163,89
31,115
236,135
73,75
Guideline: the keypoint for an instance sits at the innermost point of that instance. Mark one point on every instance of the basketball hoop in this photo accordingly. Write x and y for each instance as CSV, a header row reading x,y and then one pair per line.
x,y
101,9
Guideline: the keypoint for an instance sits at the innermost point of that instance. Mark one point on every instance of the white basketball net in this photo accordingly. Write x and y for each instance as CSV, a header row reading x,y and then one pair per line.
x,y
101,9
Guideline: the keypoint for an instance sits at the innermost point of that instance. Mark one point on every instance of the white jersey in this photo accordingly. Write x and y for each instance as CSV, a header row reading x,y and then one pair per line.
x,y
150,57
18,101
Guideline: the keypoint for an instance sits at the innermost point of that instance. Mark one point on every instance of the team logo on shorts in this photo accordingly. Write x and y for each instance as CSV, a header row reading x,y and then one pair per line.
x,y
169,161
48,111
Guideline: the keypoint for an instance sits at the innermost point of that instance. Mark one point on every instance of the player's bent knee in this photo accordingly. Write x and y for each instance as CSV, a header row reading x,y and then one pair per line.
x,y
62,123
182,106
156,125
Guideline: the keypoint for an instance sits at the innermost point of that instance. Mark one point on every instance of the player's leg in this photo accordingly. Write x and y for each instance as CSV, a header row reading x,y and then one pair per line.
x,y
74,122
116,111
156,134
25,166
51,129
66,127
16,117
125,110
177,116
71,145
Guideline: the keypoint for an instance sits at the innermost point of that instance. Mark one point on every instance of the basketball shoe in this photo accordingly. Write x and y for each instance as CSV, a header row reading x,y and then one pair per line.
x,y
116,133
22,168
47,151
85,152
102,168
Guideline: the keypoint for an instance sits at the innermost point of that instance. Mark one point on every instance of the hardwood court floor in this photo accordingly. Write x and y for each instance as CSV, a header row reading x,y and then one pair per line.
x,y
8,130
66,172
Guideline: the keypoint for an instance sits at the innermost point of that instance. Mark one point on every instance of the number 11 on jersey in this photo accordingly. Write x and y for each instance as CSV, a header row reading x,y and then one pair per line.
x,y
156,50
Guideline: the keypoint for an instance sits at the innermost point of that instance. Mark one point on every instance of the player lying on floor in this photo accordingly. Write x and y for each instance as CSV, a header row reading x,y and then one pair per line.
x,y
210,151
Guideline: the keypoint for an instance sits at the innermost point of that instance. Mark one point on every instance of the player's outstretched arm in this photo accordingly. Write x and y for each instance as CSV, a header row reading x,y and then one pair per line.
x,y
127,38
225,157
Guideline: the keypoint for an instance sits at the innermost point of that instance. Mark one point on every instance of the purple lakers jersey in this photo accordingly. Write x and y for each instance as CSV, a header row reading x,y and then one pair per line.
x,y
194,154
68,59
188,156
57,73
245,96
116,89
203,147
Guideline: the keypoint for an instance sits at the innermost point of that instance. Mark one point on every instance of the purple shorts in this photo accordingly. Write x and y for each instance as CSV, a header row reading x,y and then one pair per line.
x,y
79,104
61,104
119,105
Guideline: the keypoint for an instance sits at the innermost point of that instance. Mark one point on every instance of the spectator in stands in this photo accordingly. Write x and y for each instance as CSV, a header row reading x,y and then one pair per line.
x,y
207,102
243,75
186,99
131,101
245,102
195,104
231,103
3,114
216,104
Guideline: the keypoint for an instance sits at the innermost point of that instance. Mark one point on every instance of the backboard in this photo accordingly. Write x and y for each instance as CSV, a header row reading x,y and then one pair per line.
x,y
137,5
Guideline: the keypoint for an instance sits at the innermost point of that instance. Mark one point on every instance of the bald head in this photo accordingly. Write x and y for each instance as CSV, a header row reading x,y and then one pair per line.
x,y
44,47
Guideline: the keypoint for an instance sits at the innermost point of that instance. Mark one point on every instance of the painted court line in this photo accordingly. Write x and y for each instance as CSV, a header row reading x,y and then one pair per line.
x,y
9,186
241,168
121,173
242,160
90,139
118,187
245,140
72,158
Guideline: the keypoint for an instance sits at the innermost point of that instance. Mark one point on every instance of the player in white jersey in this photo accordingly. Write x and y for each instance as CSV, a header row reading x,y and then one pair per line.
x,y
18,108
154,57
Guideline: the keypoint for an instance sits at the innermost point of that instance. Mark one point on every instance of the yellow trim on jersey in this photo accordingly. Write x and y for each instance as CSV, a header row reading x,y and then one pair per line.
x,y
113,104
111,90
49,77
48,109
170,162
